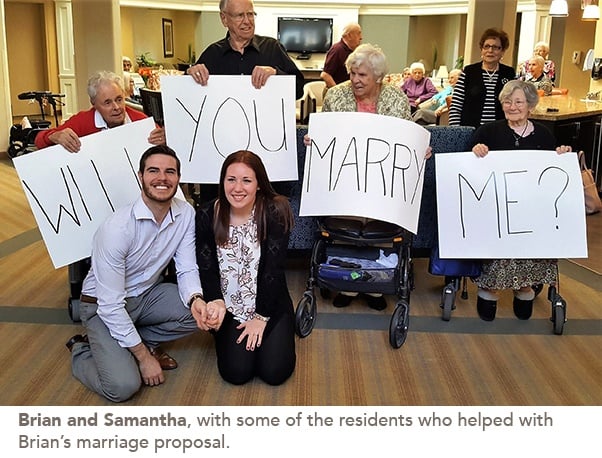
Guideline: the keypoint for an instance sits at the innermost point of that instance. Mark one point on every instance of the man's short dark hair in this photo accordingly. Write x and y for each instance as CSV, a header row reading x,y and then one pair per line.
x,y
158,149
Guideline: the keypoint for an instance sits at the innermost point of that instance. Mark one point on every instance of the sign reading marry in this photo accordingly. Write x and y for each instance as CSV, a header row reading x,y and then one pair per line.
x,y
510,204
71,194
204,124
362,164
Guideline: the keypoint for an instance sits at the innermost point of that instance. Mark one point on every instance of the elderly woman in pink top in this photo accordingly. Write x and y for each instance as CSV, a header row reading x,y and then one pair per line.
x,y
417,87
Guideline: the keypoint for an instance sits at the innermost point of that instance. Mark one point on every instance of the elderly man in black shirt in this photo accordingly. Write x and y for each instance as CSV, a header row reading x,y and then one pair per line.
x,y
242,52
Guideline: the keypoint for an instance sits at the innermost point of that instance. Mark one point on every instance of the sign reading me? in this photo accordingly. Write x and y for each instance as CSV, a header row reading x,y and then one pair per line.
x,y
510,204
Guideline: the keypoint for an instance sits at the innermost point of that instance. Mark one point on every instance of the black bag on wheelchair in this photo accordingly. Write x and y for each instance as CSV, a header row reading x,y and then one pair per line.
x,y
22,140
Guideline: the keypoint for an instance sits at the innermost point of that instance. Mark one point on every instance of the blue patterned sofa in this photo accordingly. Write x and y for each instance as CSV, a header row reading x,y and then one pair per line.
x,y
444,139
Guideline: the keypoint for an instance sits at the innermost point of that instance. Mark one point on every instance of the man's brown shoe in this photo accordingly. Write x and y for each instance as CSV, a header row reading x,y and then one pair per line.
x,y
167,362
77,338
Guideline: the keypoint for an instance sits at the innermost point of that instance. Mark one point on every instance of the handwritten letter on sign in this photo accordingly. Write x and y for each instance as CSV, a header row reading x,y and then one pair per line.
x,y
510,204
204,124
71,194
362,164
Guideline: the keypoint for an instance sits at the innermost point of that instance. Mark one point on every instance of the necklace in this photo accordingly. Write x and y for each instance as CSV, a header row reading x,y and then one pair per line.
x,y
521,135
491,75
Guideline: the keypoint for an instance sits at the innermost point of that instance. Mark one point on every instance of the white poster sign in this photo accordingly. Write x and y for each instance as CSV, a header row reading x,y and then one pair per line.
x,y
204,124
71,194
510,204
362,164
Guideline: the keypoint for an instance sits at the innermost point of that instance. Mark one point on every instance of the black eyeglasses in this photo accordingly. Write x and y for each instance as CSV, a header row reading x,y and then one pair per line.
x,y
492,47
239,17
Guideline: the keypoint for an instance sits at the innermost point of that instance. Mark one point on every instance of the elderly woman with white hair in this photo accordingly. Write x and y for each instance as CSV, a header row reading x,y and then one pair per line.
x,y
541,49
515,132
365,92
418,88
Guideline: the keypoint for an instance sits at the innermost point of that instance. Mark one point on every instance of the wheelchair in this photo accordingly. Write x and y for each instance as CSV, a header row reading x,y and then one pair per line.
x,y
346,256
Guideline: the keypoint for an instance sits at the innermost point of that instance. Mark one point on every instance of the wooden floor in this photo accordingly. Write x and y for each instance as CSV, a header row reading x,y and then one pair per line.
x,y
346,360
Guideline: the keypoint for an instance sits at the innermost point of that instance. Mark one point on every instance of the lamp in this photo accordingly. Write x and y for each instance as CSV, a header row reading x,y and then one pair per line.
x,y
442,73
559,8
591,11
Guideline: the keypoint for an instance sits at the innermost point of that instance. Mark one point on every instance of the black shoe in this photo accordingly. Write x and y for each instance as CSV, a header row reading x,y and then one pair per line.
x,y
486,309
376,302
75,339
342,300
522,309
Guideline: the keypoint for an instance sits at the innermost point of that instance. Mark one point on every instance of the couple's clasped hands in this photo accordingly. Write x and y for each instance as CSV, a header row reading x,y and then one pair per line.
x,y
208,315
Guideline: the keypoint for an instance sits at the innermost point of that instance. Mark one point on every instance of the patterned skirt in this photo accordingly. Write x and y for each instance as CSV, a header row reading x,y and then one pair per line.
x,y
516,273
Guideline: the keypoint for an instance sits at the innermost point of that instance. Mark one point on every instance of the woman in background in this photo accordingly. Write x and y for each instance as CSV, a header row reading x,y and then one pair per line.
x,y
475,99
241,243
549,69
418,88
516,131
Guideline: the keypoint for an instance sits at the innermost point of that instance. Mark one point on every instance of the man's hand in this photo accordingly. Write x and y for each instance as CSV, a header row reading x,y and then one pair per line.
x,y
260,76
157,136
199,73
198,308
150,369
67,138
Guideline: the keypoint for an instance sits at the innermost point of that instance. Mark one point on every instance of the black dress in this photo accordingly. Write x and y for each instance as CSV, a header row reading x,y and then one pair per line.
x,y
515,273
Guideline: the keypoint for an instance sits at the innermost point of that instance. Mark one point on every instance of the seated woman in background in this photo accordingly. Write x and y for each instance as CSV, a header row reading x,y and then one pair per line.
x,y
543,50
428,112
406,73
538,77
241,243
516,131
417,87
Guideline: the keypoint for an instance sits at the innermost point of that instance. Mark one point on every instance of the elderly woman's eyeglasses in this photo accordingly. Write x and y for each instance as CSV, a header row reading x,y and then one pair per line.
x,y
516,103
491,47
239,17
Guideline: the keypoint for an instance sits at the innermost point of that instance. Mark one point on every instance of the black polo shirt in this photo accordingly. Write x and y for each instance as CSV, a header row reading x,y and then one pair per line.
x,y
221,59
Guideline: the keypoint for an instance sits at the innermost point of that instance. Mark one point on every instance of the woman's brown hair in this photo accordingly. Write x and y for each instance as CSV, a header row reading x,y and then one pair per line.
x,y
265,197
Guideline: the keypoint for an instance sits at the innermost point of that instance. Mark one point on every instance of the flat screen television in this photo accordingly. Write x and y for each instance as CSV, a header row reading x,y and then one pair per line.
x,y
305,35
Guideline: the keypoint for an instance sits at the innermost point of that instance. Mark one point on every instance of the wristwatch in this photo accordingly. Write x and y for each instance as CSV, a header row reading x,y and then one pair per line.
x,y
194,297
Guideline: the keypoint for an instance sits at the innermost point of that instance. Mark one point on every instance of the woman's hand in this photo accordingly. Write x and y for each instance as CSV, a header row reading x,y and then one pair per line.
x,y
480,149
253,331
216,311
429,152
564,149
306,140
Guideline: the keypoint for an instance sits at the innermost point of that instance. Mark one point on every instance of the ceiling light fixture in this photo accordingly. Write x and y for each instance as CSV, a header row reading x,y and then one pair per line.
x,y
591,11
559,8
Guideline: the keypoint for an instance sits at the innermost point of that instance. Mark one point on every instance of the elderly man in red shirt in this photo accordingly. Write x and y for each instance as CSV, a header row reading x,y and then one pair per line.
x,y
107,97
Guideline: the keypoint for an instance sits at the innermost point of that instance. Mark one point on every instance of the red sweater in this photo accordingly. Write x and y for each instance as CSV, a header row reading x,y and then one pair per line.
x,y
82,124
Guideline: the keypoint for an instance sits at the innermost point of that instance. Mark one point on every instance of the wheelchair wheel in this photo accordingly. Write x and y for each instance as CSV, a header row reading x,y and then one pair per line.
x,y
73,309
305,317
398,327
447,303
558,314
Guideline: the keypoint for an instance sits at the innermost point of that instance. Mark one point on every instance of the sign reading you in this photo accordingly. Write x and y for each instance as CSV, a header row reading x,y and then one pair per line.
x,y
204,124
